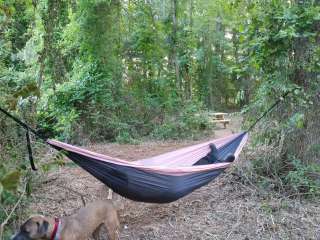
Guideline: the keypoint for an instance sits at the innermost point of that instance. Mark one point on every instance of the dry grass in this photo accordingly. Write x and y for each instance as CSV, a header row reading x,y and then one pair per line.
x,y
225,209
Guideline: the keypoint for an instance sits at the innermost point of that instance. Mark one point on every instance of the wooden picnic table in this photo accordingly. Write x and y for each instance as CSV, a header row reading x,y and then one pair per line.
x,y
219,117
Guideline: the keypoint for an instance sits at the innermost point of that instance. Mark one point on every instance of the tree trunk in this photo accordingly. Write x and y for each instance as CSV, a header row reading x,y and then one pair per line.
x,y
175,43
52,19
187,68
301,140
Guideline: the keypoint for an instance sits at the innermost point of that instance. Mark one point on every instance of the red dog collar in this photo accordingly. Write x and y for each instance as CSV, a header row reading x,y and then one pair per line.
x,y
55,228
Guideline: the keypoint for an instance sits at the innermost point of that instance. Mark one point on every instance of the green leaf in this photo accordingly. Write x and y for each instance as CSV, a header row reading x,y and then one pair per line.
x,y
30,89
1,189
298,120
2,171
29,187
300,123
316,17
296,91
11,180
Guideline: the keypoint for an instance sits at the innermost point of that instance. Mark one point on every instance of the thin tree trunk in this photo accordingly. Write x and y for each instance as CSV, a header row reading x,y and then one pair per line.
x,y
51,20
175,43
189,80
187,66
301,51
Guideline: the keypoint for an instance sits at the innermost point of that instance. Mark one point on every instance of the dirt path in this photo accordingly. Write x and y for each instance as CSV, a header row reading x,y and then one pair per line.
x,y
225,209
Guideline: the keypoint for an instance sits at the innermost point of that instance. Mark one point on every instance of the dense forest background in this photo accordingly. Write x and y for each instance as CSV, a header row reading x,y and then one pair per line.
x,y
104,70
111,70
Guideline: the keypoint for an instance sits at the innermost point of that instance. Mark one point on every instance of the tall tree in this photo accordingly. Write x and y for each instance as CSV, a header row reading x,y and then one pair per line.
x,y
175,43
54,18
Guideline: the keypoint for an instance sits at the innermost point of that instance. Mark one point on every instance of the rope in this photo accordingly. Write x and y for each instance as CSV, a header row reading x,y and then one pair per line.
x,y
270,109
22,124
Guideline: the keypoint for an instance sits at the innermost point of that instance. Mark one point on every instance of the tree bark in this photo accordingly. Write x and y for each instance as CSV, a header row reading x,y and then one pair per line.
x,y
175,43
51,20
187,68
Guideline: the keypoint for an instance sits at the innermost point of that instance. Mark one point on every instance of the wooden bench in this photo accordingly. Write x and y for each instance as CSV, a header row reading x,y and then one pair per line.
x,y
218,117
225,122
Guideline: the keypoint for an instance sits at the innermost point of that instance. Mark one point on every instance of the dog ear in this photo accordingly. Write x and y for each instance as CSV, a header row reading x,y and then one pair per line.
x,y
43,229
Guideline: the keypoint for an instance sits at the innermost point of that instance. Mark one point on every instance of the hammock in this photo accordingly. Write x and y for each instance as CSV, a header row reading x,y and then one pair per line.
x,y
160,179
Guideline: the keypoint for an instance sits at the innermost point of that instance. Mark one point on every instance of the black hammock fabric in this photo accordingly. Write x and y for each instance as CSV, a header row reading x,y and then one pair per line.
x,y
161,179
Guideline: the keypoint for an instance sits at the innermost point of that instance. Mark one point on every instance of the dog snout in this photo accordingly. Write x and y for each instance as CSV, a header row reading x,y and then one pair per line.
x,y
20,236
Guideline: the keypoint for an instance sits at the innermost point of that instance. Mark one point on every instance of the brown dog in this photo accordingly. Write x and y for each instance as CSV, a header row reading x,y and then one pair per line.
x,y
84,224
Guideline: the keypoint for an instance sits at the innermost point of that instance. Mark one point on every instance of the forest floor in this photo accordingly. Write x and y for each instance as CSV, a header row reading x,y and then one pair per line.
x,y
224,209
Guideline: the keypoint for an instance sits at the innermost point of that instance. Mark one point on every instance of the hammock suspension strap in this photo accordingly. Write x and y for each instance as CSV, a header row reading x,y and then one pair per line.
x,y
22,124
28,130
33,167
276,103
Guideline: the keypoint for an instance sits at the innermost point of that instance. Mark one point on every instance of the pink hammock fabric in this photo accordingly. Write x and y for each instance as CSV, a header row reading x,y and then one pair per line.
x,y
160,179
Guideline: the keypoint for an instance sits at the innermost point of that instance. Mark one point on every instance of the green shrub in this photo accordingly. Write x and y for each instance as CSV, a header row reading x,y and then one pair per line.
x,y
270,169
304,178
86,109
10,180
189,122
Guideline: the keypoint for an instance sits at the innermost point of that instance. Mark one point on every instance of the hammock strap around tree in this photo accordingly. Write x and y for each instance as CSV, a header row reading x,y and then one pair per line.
x,y
276,103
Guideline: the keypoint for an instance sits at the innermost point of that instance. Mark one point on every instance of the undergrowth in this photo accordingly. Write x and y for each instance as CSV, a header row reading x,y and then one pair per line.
x,y
272,170
126,122
17,180
188,124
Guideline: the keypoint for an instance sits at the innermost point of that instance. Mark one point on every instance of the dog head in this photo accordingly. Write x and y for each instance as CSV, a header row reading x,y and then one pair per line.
x,y
36,227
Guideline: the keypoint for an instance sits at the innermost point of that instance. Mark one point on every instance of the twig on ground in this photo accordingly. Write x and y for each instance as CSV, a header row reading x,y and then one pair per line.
x,y
295,195
236,224
49,180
